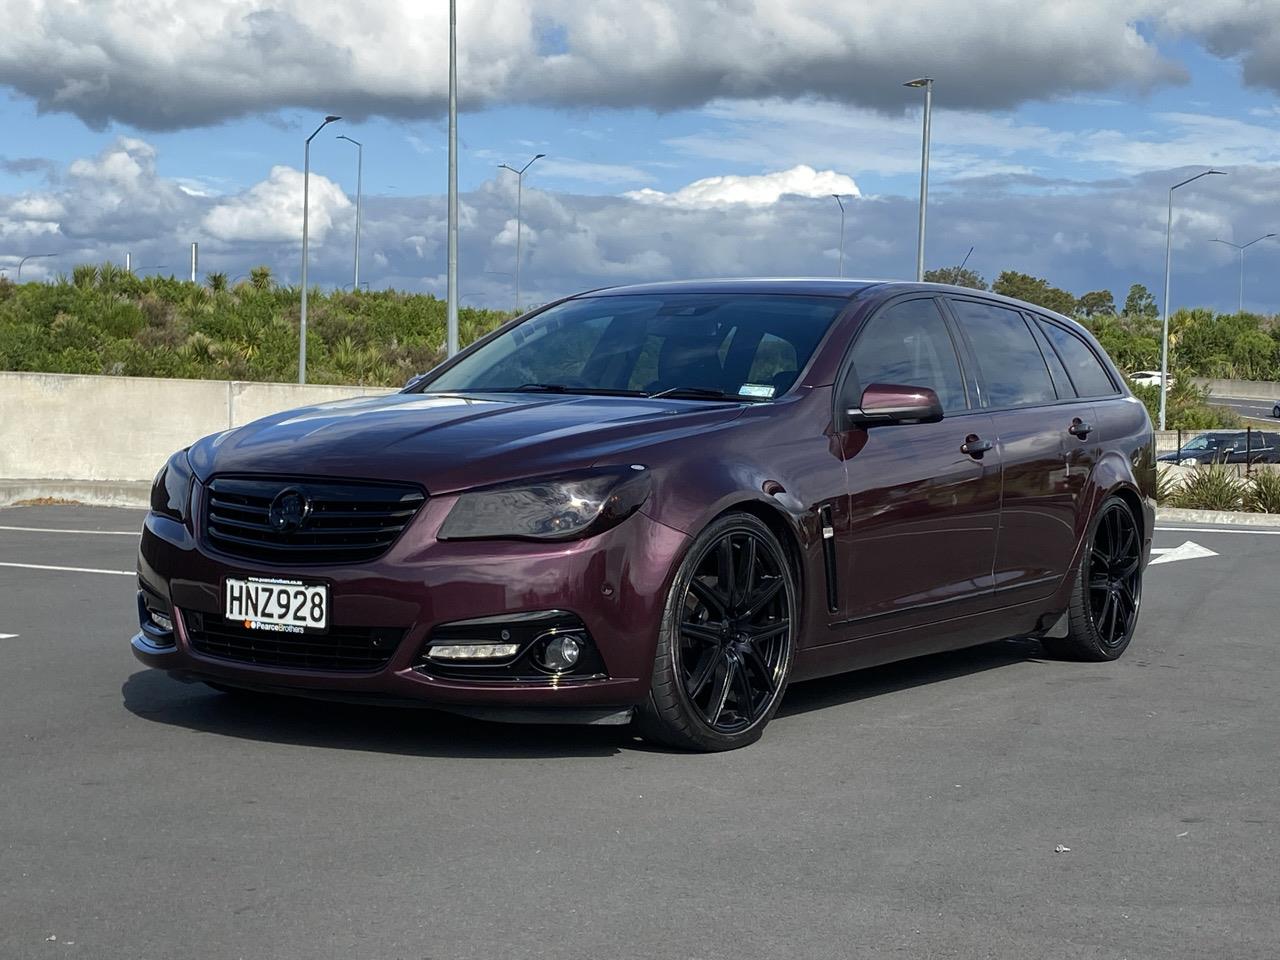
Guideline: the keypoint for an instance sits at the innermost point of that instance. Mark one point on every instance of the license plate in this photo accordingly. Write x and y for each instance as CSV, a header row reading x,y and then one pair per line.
x,y
283,606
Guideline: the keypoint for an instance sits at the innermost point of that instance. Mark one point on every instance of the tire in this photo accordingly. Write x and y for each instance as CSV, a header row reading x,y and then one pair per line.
x,y
1107,594
1275,411
727,640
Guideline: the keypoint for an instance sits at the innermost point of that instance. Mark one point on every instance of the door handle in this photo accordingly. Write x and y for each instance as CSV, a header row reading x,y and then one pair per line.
x,y
975,446
1079,428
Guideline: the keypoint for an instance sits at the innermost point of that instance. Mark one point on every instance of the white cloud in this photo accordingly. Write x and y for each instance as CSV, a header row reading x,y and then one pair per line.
x,y
761,189
197,64
271,211
38,207
1082,236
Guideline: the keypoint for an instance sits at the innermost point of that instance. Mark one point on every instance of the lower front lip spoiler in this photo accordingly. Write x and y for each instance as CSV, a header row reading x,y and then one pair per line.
x,y
580,716
574,716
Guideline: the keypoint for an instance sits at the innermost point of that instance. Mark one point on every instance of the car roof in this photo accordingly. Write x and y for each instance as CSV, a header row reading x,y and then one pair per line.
x,y
795,286
815,286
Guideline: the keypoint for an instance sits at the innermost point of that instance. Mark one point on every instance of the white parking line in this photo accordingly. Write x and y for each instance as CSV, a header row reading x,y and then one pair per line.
x,y
7,636
41,566
1254,533
94,533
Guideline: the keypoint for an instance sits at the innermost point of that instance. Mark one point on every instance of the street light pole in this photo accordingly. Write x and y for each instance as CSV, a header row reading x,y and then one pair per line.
x,y
355,284
31,256
519,199
841,203
1168,259
306,177
927,84
1241,248
451,321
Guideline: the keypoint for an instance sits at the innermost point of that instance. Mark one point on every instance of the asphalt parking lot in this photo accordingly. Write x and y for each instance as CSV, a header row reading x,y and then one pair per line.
x,y
909,811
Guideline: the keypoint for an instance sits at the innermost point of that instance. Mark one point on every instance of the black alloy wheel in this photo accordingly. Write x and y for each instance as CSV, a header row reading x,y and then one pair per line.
x,y
726,649
1108,589
1115,576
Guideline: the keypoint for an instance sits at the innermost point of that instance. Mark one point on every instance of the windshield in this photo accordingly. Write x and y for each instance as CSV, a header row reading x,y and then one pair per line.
x,y
738,346
1201,443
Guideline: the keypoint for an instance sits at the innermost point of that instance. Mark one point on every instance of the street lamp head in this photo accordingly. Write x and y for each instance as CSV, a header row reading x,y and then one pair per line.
x,y
539,156
331,119
343,136
1204,173
919,82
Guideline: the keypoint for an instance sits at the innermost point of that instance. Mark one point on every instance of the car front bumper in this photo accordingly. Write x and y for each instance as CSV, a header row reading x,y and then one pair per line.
x,y
615,583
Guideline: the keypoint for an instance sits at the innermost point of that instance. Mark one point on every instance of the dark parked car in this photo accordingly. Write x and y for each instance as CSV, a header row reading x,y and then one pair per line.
x,y
1236,446
662,504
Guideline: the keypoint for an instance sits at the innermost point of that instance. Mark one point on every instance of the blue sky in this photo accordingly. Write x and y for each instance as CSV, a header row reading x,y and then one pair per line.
x,y
1066,131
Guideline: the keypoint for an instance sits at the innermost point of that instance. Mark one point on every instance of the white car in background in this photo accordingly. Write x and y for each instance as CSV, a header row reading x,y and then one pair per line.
x,y
1148,378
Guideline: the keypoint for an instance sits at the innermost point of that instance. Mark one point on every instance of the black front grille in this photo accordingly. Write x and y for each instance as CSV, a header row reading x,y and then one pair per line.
x,y
361,649
346,521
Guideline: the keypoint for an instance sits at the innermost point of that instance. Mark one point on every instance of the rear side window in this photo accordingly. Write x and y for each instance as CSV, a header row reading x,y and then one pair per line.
x,y
908,344
1013,368
1088,374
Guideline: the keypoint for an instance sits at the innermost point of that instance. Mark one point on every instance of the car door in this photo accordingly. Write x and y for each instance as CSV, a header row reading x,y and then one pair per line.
x,y
922,512
1047,441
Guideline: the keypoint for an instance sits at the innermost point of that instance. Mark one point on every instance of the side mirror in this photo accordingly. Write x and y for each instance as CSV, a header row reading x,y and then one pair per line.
x,y
894,403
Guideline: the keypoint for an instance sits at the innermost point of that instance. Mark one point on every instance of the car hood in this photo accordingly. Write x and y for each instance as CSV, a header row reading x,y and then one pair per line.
x,y
448,443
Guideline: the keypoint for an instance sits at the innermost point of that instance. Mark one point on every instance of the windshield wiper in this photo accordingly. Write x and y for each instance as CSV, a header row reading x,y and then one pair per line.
x,y
703,393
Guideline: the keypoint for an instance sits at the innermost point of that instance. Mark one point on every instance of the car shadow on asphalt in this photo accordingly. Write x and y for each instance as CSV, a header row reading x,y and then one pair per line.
x,y
880,681
404,731
153,696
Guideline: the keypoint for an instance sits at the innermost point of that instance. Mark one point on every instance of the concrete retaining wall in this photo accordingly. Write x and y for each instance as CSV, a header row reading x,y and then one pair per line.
x,y
56,426
1244,389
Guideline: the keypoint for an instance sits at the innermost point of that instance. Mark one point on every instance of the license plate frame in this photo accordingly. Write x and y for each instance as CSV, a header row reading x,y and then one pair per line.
x,y
254,603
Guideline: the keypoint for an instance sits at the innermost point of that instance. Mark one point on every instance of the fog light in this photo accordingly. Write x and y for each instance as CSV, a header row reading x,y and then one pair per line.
x,y
473,651
561,654
160,620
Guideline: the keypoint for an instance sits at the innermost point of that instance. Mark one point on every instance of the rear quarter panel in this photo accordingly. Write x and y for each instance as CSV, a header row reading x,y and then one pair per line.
x,y
1127,460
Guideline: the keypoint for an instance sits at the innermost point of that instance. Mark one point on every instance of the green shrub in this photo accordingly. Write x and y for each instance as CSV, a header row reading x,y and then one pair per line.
x,y
1186,407
1212,488
1264,492
104,320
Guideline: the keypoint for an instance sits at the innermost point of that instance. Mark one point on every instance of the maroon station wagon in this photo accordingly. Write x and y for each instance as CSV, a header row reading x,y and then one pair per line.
x,y
660,504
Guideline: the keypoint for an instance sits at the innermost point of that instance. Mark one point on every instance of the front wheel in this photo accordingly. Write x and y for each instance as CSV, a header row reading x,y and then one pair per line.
x,y
1108,589
727,640
1275,411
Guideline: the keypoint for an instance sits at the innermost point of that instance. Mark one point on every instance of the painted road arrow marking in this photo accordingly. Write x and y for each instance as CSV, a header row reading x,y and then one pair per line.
x,y
1190,550
7,636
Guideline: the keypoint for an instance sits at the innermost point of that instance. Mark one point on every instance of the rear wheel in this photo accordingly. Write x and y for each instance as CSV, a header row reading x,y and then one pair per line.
x,y
727,640
1275,411
1108,589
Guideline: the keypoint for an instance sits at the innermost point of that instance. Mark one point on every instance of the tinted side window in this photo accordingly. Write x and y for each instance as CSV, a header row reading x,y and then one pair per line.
x,y
908,344
1061,381
1087,372
1013,368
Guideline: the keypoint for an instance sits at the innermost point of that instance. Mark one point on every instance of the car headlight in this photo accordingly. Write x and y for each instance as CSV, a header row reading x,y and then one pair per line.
x,y
171,491
559,508
1188,462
